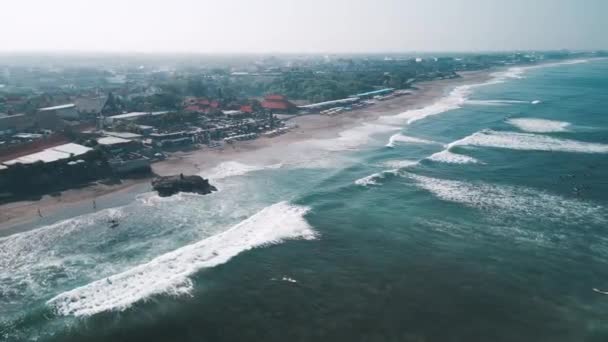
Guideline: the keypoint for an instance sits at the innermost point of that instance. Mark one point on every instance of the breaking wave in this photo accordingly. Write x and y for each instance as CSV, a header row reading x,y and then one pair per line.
x,y
169,273
528,141
399,164
234,168
504,199
407,139
495,102
455,99
539,125
446,156
351,138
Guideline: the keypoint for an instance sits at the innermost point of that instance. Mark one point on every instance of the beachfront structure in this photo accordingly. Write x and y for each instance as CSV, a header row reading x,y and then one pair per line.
x,y
277,103
329,104
14,123
371,94
66,111
118,146
128,163
123,135
172,139
110,120
234,113
51,155
201,105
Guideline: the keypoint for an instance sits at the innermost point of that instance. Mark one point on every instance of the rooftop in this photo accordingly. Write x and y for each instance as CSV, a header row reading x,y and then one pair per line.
x,y
232,112
108,141
328,103
64,106
51,154
72,148
27,136
123,135
135,115
375,92
6,116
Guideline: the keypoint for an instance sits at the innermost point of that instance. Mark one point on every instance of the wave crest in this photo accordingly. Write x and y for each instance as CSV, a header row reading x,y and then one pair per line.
x,y
528,141
169,273
539,125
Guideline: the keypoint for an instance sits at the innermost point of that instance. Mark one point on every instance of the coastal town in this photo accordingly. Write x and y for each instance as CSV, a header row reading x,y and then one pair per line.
x,y
65,124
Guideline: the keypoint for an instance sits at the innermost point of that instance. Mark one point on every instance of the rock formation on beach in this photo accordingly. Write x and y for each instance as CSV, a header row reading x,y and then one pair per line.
x,y
170,185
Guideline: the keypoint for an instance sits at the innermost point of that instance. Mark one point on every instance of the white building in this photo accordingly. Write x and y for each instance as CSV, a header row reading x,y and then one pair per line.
x,y
65,111
51,154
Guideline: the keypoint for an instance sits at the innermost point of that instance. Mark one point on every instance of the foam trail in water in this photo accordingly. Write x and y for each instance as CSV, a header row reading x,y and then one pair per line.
x,y
446,156
407,139
453,100
495,102
370,180
399,164
169,273
539,125
351,138
373,179
528,141
504,199
234,168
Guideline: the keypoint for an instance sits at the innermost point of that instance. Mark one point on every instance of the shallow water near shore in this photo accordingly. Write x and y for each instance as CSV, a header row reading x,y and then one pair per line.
x,y
481,217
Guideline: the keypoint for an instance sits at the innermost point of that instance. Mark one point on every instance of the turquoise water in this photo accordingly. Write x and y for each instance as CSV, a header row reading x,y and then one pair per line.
x,y
483,220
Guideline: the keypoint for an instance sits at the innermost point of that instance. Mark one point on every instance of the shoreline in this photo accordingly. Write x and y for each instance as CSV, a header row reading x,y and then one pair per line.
x,y
308,127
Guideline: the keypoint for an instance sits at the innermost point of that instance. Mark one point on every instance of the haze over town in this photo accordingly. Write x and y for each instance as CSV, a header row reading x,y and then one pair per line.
x,y
271,26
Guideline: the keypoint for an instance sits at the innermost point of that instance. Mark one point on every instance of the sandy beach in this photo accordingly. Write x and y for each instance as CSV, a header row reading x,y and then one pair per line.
x,y
260,151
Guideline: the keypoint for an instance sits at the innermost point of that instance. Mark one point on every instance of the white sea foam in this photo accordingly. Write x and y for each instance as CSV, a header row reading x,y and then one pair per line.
x,y
407,139
370,180
519,71
495,102
528,141
289,280
399,164
455,99
169,273
373,179
446,156
539,125
503,199
351,138
234,168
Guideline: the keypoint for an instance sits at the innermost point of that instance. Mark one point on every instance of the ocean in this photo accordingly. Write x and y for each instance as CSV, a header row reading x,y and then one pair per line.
x,y
481,217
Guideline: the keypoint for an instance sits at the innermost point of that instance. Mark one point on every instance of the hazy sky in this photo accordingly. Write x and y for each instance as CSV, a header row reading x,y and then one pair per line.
x,y
218,26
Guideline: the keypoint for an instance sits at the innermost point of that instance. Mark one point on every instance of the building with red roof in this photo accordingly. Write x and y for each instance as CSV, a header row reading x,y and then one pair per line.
x,y
277,103
201,105
246,109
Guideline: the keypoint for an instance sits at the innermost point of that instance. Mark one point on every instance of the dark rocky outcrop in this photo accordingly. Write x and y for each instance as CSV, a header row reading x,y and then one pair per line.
x,y
170,185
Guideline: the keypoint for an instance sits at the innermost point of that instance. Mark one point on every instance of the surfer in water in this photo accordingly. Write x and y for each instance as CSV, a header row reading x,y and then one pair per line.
x,y
113,223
